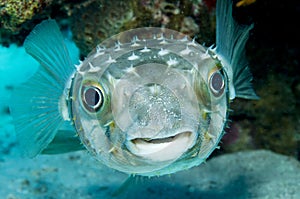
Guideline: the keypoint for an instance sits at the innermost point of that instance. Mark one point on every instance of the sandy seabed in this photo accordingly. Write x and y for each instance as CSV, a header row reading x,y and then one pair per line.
x,y
251,174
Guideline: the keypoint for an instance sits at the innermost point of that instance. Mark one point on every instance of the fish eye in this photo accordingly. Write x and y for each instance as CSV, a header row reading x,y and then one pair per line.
x,y
92,98
217,83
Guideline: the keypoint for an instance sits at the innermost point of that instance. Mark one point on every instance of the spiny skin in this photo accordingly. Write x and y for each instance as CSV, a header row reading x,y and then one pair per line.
x,y
148,101
160,112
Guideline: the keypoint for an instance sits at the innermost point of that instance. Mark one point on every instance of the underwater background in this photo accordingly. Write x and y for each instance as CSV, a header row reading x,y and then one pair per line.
x,y
258,156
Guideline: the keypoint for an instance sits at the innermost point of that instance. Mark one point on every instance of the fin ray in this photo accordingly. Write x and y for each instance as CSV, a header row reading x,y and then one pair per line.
x,y
231,39
46,37
66,140
35,104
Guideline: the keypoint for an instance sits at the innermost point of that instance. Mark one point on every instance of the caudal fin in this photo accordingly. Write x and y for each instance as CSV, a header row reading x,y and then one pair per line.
x,y
36,105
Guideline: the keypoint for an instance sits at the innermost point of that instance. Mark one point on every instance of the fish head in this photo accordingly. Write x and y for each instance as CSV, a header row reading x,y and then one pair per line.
x,y
150,101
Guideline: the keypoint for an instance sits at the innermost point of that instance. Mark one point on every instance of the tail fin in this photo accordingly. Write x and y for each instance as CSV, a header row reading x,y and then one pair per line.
x,y
36,106
231,40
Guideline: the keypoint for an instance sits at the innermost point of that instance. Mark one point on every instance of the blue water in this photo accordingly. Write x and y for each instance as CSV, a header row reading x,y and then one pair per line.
x,y
16,67
78,175
257,174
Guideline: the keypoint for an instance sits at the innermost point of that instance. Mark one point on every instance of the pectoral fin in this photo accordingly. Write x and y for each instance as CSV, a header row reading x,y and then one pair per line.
x,y
231,39
64,141
35,106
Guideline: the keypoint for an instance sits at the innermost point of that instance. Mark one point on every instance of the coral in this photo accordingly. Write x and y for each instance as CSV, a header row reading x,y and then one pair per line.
x,y
14,16
101,19
268,123
193,18
244,3
189,26
17,18
238,136
14,12
276,117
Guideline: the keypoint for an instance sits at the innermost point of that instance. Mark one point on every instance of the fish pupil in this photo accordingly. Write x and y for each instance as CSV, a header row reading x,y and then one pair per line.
x,y
92,98
217,83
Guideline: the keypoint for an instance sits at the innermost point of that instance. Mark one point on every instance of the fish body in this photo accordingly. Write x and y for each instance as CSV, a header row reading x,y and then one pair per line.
x,y
148,101
163,98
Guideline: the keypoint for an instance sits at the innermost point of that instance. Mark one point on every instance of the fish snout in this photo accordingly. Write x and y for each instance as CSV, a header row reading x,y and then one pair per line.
x,y
157,110
154,107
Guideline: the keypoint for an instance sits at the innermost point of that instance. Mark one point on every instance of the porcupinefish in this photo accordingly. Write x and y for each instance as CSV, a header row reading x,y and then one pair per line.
x,y
148,101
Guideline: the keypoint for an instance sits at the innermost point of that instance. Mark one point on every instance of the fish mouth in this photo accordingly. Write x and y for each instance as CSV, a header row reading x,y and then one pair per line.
x,y
162,149
158,140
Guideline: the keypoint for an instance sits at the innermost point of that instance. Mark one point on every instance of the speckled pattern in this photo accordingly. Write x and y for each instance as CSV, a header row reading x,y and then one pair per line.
x,y
243,175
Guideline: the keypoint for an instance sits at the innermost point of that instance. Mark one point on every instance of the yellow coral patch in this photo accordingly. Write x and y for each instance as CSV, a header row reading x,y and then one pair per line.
x,y
244,3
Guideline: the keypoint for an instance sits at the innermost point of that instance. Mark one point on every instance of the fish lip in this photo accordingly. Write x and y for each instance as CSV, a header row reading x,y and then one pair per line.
x,y
162,149
157,140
